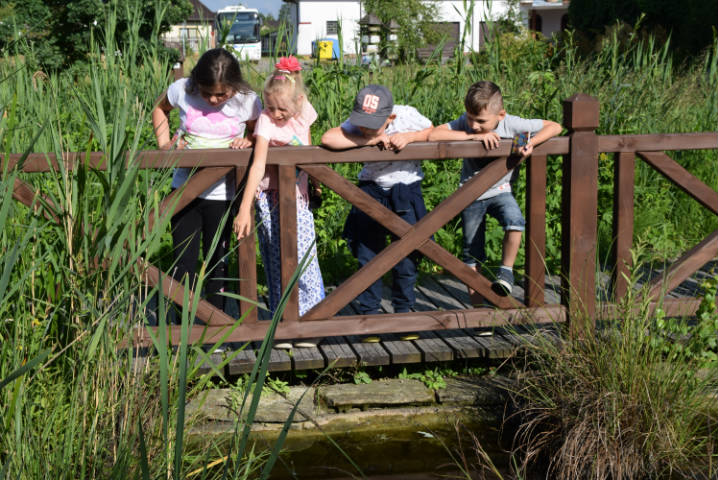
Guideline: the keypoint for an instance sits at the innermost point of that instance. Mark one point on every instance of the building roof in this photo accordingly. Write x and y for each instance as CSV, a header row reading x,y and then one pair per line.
x,y
200,12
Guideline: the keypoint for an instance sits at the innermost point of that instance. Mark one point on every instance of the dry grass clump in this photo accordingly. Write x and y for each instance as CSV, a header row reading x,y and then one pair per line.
x,y
625,403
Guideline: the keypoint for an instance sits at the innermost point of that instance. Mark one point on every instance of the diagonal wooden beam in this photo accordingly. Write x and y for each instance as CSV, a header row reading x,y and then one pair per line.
x,y
415,238
685,266
684,179
399,227
197,183
174,290
26,195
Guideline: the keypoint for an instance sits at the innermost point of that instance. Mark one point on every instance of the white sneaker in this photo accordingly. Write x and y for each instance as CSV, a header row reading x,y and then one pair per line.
x,y
307,343
283,345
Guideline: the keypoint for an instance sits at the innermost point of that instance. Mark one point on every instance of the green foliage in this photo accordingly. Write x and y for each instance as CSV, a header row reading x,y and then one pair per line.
x,y
414,18
361,377
689,24
59,33
432,378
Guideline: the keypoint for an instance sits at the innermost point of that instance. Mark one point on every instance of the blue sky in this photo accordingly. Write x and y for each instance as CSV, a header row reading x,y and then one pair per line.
x,y
264,6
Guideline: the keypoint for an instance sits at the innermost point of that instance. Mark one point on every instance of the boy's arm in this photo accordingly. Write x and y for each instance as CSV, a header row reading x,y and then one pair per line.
x,y
338,139
401,140
443,132
549,130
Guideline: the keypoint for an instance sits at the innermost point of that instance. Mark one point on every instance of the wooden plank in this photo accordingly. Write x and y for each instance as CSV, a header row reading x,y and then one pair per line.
x,y
338,353
438,295
368,354
307,358
623,189
658,142
288,237
685,266
454,288
279,360
244,360
423,303
579,210
684,179
463,344
433,348
373,324
535,245
215,359
494,346
400,351
26,195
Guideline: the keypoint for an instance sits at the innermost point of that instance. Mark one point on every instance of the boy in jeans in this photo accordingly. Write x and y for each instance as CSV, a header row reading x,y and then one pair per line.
x,y
375,120
485,120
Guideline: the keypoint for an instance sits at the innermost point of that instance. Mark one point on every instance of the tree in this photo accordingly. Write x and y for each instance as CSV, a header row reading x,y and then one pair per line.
x,y
59,31
690,24
415,19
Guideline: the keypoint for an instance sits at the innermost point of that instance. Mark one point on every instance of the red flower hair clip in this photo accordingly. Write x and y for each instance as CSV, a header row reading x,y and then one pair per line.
x,y
288,64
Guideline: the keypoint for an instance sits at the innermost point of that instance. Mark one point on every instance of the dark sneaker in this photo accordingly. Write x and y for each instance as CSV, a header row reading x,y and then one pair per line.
x,y
504,282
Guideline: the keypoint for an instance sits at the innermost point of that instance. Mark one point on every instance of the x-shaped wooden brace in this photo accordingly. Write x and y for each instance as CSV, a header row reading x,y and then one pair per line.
x,y
706,250
411,237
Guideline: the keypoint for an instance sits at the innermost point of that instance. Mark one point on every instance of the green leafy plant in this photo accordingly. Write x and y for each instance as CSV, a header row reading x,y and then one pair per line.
x,y
361,377
432,378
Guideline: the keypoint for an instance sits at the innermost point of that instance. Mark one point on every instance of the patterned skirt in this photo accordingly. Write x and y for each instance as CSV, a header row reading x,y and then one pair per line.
x,y
311,285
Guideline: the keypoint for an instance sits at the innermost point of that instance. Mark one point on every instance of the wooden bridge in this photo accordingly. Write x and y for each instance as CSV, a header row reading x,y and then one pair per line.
x,y
447,325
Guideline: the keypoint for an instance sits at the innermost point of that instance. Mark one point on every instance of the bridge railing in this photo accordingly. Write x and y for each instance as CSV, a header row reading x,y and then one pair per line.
x,y
580,152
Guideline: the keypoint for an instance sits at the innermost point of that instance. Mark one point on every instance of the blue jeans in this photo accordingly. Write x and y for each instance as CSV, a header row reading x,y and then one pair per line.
x,y
502,207
367,238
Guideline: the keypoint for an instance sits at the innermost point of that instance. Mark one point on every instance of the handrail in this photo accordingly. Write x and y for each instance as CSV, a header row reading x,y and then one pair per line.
x,y
580,149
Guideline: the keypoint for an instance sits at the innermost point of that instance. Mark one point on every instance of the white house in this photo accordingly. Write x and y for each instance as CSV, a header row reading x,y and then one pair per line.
x,y
318,19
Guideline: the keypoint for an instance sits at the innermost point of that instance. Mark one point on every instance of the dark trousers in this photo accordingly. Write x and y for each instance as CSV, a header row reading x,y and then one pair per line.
x,y
367,238
194,225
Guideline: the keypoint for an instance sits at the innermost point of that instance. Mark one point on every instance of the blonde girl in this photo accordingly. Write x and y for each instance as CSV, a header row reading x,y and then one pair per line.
x,y
285,120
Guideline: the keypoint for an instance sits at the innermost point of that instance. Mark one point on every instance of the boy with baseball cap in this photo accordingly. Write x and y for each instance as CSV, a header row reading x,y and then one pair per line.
x,y
375,120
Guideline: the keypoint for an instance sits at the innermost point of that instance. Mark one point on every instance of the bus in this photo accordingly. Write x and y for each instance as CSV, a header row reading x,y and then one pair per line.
x,y
243,37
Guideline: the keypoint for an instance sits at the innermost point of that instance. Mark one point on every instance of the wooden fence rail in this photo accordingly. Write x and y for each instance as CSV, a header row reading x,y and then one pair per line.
x,y
580,151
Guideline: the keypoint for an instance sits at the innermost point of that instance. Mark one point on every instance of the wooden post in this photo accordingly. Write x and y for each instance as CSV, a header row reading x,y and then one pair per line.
x,y
288,236
579,212
247,260
535,246
623,180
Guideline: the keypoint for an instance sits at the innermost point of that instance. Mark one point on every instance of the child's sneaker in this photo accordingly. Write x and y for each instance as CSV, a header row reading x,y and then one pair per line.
x,y
283,345
306,343
504,282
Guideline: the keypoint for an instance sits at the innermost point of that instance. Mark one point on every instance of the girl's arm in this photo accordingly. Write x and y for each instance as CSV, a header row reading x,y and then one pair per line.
x,y
160,122
243,220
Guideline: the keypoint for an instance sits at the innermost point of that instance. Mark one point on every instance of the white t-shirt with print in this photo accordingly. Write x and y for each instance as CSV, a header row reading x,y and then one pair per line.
x,y
205,126
388,174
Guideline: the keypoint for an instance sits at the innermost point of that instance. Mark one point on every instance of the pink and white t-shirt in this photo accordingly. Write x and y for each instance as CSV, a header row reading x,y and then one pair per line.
x,y
294,131
205,126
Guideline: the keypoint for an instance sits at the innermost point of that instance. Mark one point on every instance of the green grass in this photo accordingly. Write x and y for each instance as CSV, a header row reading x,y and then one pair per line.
x,y
73,405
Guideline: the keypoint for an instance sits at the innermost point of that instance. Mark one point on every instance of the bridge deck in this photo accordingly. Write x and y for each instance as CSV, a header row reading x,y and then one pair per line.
x,y
438,292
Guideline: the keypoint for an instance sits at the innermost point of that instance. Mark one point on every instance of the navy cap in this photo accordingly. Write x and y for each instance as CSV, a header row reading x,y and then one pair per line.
x,y
372,106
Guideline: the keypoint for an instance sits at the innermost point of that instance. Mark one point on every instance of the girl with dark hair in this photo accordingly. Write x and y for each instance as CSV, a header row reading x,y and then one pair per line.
x,y
216,106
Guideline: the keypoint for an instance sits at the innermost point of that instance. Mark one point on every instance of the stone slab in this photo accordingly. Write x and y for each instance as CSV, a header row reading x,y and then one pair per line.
x,y
472,391
384,393
223,404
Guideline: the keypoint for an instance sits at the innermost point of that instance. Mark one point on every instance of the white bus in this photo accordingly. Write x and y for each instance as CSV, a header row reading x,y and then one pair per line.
x,y
243,37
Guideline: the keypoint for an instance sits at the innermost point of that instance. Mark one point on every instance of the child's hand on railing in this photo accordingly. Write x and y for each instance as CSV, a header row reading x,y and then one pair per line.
x,y
400,140
491,140
242,224
240,142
